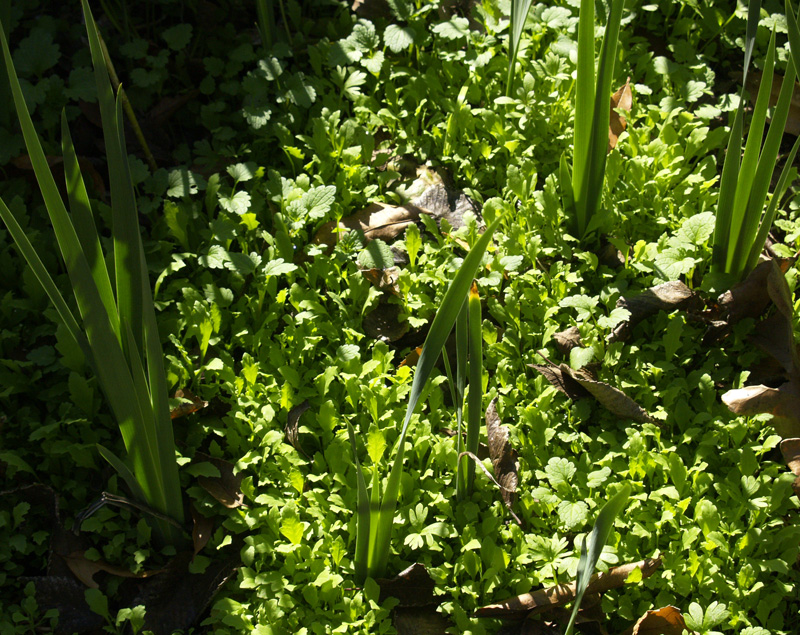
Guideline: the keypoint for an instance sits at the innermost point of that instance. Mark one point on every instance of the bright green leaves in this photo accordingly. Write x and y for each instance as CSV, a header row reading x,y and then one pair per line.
x,y
703,621
455,29
398,38
376,444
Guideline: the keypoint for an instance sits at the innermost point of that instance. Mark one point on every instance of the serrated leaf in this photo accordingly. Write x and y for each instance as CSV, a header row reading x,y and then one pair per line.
x,y
270,68
672,263
181,183
237,203
376,255
292,529
215,258
347,352
352,84
455,29
318,200
278,267
617,316
375,63
559,471
301,92
583,303
573,515
697,229
579,357
242,171
178,36
398,38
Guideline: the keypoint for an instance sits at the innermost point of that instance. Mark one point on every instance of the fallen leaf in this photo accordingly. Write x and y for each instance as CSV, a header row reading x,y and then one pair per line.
x,y
85,569
567,340
413,586
623,100
664,621
191,404
546,599
790,449
384,279
577,384
226,487
201,530
783,403
376,221
751,297
383,322
793,122
504,457
293,426
412,358
664,297
444,204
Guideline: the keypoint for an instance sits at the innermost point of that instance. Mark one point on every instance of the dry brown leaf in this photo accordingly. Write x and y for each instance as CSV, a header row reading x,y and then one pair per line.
x,y
226,487
293,426
751,297
664,621
412,358
790,449
577,384
567,339
85,569
192,404
793,122
201,530
383,322
623,100
546,599
384,279
413,586
664,297
376,221
503,455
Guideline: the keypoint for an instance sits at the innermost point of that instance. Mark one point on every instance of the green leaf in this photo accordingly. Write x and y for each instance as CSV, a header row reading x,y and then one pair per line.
x,y
399,38
242,171
376,444
318,200
455,29
238,203
583,303
292,528
182,183
36,53
697,229
560,471
178,36
579,357
376,255
278,267
573,514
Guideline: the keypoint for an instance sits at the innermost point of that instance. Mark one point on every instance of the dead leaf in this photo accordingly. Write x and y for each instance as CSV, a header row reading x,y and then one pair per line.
x,y
664,297
790,449
226,487
201,530
567,340
664,621
783,403
793,122
85,569
413,586
412,358
376,221
383,322
751,297
192,403
444,204
546,599
384,279
623,100
293,426
503,455
577,384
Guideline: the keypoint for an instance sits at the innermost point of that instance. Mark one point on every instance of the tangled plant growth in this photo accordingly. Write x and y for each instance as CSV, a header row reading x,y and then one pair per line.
x,y
320,197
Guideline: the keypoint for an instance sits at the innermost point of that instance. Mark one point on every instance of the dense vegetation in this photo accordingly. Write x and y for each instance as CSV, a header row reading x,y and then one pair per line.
x,y
264,128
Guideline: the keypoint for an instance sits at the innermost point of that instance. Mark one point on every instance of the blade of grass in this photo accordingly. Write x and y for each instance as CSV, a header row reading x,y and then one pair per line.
x,y
597,540
518,17
474,403
362,513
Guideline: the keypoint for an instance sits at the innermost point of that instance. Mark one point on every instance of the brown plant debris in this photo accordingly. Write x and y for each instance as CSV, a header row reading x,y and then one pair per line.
x,y
790,449
775,336
413,586
664,297
379,220
293,426
663,621
751,296
503,455
567,339
577,384
191,404
225,487
546,599
622,100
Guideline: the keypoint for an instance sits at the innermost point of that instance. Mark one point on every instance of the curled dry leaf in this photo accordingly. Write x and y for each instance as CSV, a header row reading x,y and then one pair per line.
x,y
579,383
664,621
546,599
751,297
412,358
225,487
384,279
621,100
191,404
790,449
775,336
503,455
202,527
293,426
413,586
376,221
85,569
567,339
664,297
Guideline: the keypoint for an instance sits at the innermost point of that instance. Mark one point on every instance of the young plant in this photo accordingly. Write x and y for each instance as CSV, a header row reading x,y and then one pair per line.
x,y
742,224
597,540
375,511
519,13
119,336
582,186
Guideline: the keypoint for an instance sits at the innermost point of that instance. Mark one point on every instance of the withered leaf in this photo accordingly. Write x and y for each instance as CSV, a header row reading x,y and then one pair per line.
x,y
503,455
192,403
202,527
567,339
383,322
384,279
85,569
546,599
379,220
663,621
226,487
782,402
793,121
790,449
413,586
412,358
293,426
577,384
751,296
664,297
623,100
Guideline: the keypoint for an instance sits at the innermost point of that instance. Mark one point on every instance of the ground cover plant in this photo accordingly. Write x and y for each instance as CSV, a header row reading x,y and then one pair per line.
x,y
320,175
